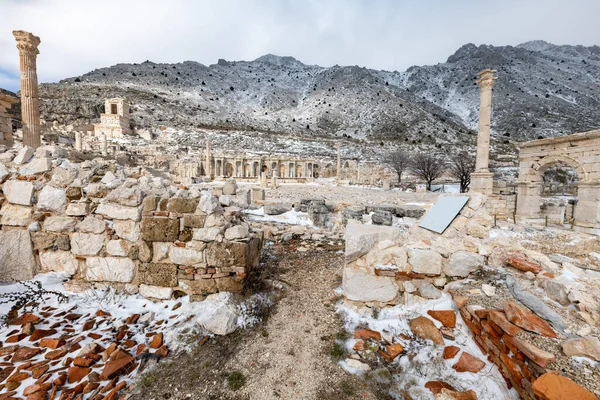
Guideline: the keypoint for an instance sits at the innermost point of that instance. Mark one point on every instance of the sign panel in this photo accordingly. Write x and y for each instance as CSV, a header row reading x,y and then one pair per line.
x,y
443,213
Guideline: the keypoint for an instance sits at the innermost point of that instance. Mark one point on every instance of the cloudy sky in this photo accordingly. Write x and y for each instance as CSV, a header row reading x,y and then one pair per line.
x,y
81,35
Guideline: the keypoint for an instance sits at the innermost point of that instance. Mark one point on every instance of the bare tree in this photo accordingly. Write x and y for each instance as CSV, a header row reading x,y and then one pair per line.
x,y
461,167
428,167
399,160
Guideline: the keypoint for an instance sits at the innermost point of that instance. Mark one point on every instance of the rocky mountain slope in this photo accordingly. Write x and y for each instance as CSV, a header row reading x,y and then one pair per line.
x,y
542,90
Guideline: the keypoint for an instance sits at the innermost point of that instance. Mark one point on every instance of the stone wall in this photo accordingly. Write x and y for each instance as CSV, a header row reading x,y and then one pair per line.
x,y
6,101
104,224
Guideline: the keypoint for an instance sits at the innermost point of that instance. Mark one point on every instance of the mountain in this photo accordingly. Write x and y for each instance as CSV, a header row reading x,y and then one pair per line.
x,y
542,90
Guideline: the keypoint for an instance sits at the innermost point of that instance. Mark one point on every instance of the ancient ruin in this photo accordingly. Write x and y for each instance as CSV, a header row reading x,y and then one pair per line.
x,y
6,128
114,122
27,44
482,178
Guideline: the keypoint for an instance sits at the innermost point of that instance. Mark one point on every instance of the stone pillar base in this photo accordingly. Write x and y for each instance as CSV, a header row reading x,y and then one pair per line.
x,y
482,182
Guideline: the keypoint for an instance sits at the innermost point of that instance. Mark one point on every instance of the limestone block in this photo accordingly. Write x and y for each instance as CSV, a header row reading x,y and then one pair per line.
x,y
236,232
36,166
126,196
116,211
258,194
230,284
208,204
462,263
156,292
109,269
24,155
63,177
425,261
158,274
218,315
557,291
128,230
108,178
160,229
182,205
86,244
57,223
91,225
361,284
52,199
160,251
226,254
78,209
199,286
60,261
207,234
230,188
16,256
185,256
118,247
224,200
4,172
96,190
18,192
193,221
360,239
385,255
276,208
476,230
13,215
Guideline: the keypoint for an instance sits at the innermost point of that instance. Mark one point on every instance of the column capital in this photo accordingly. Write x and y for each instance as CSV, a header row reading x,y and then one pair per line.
x,y
487,78
27,42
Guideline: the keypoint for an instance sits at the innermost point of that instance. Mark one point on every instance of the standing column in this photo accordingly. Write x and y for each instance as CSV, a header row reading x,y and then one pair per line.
x,y
339,160
482,180
78,144
104,145
27,44
207,169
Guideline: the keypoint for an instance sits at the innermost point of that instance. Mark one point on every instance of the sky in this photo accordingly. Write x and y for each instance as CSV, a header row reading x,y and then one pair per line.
x,y
81,35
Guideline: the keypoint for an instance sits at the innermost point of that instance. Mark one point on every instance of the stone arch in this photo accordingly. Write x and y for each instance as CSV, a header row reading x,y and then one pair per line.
x,y
546,162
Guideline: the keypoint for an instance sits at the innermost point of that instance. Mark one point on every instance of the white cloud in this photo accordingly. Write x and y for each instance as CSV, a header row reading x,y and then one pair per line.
x,y
80,35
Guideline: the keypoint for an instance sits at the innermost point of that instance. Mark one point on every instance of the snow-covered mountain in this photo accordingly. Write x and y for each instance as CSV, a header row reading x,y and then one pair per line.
x,y
542,90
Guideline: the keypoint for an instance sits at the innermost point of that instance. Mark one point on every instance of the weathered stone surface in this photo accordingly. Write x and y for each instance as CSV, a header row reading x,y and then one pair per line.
x,y
382,218
550,386
499,255
16,256
92,225
194,221
582,347
227,254
537,355
525,319
126,196
425,261
357,365
360,239
450,352
185,256
230,188
128,230
199,286
156,292
24,155
276,208
468,363
78,209
499,318
14,215
236,232
446,317
361,284
182,205
425,329
59,261
110,269
219,316
52,199
462,263
556,291
118,247
116,211
209,204
207,234
4,172
96,190
36,166
387,254
63,177
158,274
230,284
57,223
160,229
447,394
86,244
18,192
427,290
117,367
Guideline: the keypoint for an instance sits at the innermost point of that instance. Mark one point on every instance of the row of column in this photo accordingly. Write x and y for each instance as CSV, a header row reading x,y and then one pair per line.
x,y
219,167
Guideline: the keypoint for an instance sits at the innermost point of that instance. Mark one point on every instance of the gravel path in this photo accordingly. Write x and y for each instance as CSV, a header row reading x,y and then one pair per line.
x,y
285,357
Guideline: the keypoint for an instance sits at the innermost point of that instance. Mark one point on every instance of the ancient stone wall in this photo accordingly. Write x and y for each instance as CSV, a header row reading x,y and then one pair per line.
x,y
104,224
6,101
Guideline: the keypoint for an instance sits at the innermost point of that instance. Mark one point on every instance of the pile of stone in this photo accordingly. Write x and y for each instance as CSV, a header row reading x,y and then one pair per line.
x,y
106,224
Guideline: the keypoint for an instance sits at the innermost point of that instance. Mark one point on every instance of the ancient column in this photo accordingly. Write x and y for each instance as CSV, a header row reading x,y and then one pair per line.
x,y
482,179
339,160
103,145
358,172
78,144
30,110
207,168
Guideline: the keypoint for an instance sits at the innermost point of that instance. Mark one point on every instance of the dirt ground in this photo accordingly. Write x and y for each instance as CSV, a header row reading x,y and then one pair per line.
x,y
287,356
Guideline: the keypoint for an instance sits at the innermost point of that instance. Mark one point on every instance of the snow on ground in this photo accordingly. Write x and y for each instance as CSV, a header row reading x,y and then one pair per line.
x,y
428,364
179,320
291,217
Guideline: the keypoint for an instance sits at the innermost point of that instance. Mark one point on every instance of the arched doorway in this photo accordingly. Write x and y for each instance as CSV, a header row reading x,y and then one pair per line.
x,y
282,170
291,170
229,169
247,170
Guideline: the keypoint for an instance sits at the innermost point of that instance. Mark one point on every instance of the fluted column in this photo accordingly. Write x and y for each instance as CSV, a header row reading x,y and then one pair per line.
x,y
339,160
482,179
27,44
